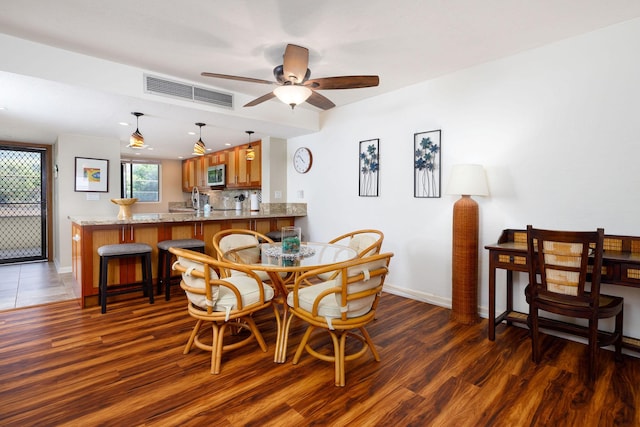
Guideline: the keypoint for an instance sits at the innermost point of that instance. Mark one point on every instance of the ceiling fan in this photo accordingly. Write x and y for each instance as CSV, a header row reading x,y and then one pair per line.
x,y
294,85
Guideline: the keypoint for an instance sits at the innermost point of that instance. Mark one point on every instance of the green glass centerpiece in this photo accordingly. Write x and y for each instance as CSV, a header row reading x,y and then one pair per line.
x,y
290,239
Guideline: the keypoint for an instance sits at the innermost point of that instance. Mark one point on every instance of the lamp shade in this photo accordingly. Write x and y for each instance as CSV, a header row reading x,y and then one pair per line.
x,y
199,147
136,140
292,94
468,180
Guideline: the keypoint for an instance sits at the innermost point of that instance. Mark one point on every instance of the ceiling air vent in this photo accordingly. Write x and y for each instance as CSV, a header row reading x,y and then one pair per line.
x,y
158,86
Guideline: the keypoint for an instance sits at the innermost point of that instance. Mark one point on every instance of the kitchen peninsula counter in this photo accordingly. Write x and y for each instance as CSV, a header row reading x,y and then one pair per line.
x,y
91,232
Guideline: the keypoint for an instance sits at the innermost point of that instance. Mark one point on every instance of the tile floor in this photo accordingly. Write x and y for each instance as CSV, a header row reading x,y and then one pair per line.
x,y
23,285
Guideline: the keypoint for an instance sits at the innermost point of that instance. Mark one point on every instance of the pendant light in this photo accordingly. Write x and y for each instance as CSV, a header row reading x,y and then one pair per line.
x,y
136,140
250,155
198,147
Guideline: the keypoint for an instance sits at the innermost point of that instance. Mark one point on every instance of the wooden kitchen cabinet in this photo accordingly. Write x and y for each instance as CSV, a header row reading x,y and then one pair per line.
x,y
214,159
201,230
262,225
243,173
87,238
193,173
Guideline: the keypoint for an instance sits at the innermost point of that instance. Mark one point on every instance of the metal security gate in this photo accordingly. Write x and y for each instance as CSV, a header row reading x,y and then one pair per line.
x,y
23,205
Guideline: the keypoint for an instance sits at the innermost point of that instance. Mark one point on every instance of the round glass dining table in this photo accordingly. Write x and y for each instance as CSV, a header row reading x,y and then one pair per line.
x,y
284,268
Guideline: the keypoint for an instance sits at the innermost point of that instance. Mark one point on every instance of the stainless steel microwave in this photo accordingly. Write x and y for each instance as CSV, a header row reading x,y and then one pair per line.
x,y
216,176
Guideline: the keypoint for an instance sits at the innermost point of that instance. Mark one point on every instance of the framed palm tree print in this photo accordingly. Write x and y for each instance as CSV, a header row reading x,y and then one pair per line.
x,y
369,168
426,164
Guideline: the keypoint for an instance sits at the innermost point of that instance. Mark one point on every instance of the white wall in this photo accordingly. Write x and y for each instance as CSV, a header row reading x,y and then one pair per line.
x,y
68,201
274,170
556,128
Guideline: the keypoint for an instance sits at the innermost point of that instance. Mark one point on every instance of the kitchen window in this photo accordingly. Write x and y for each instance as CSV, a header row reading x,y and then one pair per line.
x,y
141,180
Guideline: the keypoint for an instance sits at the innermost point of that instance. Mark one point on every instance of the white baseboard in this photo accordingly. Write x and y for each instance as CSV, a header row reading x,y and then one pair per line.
x,y
428,298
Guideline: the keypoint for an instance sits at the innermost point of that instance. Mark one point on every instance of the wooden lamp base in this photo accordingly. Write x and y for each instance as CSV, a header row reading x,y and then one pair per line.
x,y
464,306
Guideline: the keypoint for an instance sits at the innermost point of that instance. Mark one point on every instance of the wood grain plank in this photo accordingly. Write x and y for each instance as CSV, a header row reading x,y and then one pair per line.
x,y
63,365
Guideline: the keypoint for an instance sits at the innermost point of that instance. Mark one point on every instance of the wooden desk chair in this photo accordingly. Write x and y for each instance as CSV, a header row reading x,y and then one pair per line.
x,y
558,271
223,302
341,307
365,242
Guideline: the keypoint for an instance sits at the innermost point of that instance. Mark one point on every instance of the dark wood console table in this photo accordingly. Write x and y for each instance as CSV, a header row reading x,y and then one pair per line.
x,y
620,266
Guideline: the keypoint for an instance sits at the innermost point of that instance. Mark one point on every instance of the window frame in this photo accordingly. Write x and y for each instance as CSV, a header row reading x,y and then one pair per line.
x,y
129,163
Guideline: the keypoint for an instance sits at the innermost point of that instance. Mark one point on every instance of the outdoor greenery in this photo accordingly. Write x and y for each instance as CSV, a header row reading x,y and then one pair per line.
x,y
141,180
20,177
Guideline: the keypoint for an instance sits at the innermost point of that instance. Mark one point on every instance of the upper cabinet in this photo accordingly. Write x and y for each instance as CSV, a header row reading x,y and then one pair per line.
x,y
241,173
217,158
193,173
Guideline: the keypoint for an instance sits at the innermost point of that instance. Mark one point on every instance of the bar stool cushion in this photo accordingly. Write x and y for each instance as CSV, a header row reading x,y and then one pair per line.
x,y
124,249
180,243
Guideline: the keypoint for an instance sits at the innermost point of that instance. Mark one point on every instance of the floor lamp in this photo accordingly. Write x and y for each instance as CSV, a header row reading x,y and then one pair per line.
x,y
467,181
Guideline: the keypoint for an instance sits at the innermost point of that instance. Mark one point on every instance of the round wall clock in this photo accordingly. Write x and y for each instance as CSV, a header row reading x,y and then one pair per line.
x,y
302,160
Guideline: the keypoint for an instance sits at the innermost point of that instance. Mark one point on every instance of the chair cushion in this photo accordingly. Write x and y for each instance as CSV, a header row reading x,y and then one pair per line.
x,y
363,241
358,243
328,307
124,249
233,241
180,243
330,304
197,282
252,256
249,291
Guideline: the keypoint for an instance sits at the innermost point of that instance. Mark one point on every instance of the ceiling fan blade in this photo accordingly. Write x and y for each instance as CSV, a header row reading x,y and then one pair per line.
x,y
296,61
238,78
320,101
260,100
343,82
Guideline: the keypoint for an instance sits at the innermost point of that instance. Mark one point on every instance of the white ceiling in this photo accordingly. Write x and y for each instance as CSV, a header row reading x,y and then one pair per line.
x,y
403,41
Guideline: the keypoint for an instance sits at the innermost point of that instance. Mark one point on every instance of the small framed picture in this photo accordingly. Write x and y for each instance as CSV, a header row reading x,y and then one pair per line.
x,y
369,168
426,163
92,175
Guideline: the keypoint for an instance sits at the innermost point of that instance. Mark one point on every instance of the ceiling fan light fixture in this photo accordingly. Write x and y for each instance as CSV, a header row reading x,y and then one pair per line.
x,y
136,140
292,94
250,154
199,147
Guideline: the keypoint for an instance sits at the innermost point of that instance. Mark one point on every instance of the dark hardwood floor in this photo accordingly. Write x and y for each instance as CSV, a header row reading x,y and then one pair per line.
x,y
61,365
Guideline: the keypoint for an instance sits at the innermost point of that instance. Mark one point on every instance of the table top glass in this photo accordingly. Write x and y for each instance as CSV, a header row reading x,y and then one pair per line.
x,y
269,256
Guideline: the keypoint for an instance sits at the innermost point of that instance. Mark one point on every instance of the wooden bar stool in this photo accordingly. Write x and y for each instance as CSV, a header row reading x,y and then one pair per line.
x,y
125,250
164,260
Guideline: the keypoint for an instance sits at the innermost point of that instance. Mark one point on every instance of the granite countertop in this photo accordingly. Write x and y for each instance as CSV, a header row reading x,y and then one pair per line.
x,y
142,218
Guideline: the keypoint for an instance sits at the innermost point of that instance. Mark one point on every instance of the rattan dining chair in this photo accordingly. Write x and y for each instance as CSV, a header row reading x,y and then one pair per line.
x,y
234,238
559,268
342,306
227,303
365,242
